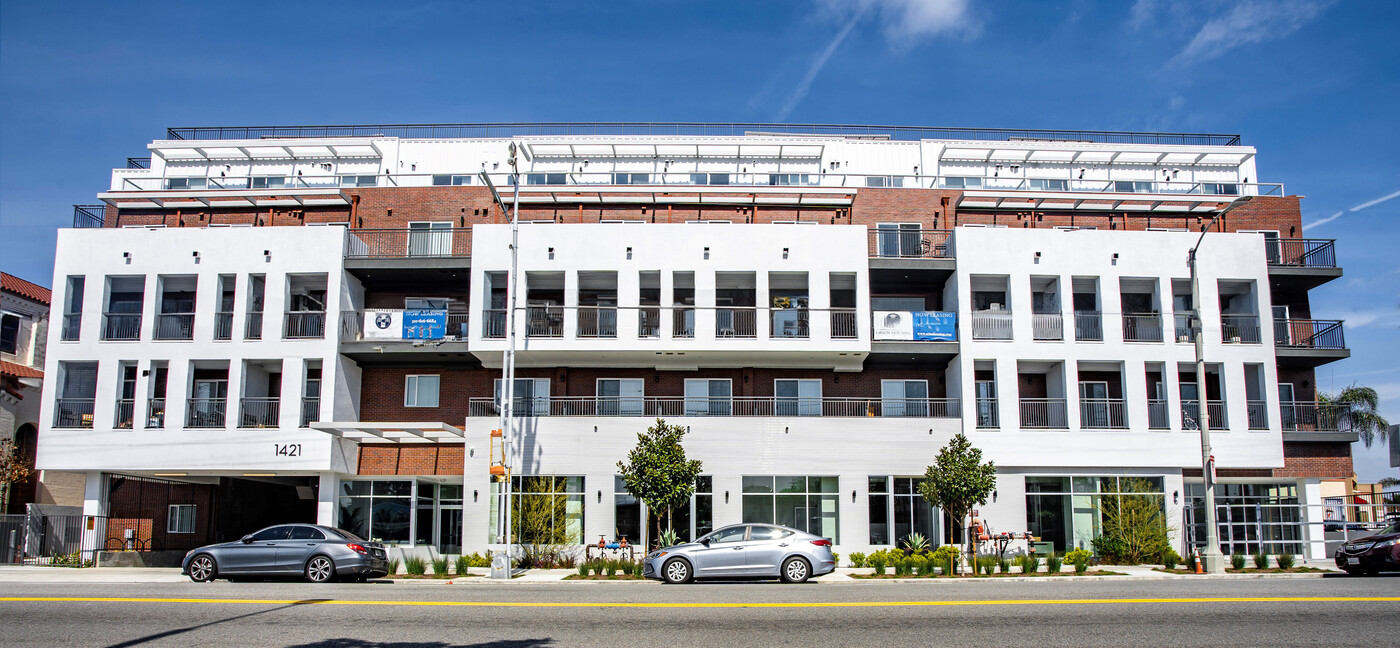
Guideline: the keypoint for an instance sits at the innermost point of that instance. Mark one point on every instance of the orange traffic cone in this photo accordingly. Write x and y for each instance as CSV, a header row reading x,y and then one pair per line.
x,y
1199,569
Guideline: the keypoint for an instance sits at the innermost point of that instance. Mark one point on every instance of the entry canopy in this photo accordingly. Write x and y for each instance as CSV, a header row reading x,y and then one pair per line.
x,y
392,432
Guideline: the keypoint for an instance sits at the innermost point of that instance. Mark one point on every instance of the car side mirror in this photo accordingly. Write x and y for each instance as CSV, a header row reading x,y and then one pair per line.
x,y
247,539
705,542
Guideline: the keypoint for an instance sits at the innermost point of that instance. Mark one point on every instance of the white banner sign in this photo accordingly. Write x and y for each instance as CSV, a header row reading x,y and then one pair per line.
x,y
383,325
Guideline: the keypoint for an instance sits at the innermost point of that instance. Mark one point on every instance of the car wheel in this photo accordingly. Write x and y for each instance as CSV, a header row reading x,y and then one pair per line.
x,y
676,571
203,568
796,570
320,569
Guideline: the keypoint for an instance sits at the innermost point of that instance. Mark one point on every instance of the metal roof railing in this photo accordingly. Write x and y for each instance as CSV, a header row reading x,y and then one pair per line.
x,y
736,129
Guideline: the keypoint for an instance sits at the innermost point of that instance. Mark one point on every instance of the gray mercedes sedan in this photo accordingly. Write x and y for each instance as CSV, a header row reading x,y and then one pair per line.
x,y
744,551
318,553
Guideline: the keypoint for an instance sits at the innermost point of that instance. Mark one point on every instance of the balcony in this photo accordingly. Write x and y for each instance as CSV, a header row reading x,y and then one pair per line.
x,y
1103,414
1309,343
205,412
991,325
789,323
1142,327
988,417
304,325
353,325
1191,412
649,322
1310,416
1258,414
683,323
493,323
88,216
760,406
545,322
253,326
1157,415
1302,264
155,413
1040,413
410,243
1088,326
310,411
843,324
891,242
73,413
1048,326
72,327
125,415
597,322
739,322
175,326
1184,332
1240,329
258,412
121,326
223,326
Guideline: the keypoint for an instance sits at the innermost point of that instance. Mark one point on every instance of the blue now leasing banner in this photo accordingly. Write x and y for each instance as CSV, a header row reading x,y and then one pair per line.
x,y
931,325
424,324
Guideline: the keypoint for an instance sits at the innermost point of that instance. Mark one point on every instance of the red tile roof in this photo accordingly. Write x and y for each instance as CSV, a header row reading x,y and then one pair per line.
x,y
19,370
26,289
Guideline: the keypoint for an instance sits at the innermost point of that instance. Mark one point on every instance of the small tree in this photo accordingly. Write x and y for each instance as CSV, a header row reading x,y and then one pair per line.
x,y
657,472
1134,527
1358,412
958,480
13,470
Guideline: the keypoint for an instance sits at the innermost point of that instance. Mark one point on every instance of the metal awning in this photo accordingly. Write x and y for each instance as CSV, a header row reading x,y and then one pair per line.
x,y
224,198
391,432
720,149
266,149
994,199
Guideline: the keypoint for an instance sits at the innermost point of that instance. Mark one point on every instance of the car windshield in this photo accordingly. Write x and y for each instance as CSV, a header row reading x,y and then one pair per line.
x,y
1393,528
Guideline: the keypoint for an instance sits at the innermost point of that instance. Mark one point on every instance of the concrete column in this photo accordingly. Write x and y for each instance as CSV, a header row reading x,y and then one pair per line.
x,y
328,487
94,504
1310,497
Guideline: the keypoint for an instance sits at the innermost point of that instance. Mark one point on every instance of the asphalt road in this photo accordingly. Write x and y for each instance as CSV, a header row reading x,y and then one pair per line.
x,y
1043,613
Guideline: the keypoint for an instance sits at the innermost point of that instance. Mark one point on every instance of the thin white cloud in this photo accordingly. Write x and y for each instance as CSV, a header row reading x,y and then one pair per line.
x,y
1248,22
1362,318
1323,221
1377,201
1141,13
800,92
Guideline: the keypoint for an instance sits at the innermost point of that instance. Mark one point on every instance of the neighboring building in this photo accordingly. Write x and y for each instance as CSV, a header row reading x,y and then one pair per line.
x,y
268,325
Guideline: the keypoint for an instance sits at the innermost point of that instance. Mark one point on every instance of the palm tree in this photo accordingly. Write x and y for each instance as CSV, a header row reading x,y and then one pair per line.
x,y
1358,413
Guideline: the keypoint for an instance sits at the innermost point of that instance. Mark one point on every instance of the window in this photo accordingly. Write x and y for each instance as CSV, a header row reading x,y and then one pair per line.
x,y
306,533
273,533
180,519
797,397
689,521
267,183
955,182
733,534
359,181
620,397
884,181
421,391
451,180
709,178
379,510
904,398
804,503
707,397
631,178
1065,511
546,178
9,333
187,183
1128,186
531,396
1222,189
545,509
758,532
790,179
900,239
903,505
1048,185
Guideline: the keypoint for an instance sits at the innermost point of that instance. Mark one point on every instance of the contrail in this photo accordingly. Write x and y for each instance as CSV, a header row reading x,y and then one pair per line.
x,y
1369,203
801,92
1376,201
1323,221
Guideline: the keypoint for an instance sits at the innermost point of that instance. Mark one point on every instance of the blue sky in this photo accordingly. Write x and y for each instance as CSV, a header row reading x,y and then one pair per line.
x,y
1314,85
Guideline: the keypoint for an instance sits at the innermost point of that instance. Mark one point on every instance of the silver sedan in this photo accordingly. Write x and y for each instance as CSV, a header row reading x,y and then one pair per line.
x,y
744,551
318,553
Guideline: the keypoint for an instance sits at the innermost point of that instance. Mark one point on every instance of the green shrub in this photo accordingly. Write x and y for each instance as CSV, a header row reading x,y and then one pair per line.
x,y
901,567
1134,526
1003,565
945,557
836,558
1030,564
415,566
583,568
1285,561
610,567
1080,559
857,559
926,566
463,563
1261,560
440,568
878,564
478,560
1053,563
1170,558
394,566
1237,560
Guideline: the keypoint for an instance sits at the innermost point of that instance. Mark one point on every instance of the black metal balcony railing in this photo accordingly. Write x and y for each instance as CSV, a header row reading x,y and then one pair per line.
x,y
73,413
304,325
545,321
1184,332
253,326
1103,414
258,412
1191,414
493,323
843,324
1044,413
988,416
1048,326
1311,416
1303,253
175,326
1309,334
85,216
1088,326
155,413
1142,327
223,326
649,322
1240,329
736,322
121,326
991,325
1258,414
597,321
205,412
765,406
910,243
1158,417
789,323
72,327
124,418
409,243
310,411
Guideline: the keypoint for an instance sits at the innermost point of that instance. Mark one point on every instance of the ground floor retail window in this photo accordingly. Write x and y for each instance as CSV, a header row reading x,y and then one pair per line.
x,y
810,504
897,510
545,509
690,521
1250,517
1066,512
403,512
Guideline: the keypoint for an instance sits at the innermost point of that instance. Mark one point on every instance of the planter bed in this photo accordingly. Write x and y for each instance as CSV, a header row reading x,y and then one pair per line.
x,y
1067,574
595,577
1249,570
427,576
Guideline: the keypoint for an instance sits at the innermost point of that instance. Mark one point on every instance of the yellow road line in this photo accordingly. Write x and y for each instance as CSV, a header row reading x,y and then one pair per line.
x,y
835,604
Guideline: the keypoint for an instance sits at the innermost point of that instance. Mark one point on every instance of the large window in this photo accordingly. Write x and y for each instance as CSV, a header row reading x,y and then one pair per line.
x,y
379,510
1065,511
707,397
897,510
545,509
530,396
421,391
1251,517
620,396
797,397
904,398
808,504
690,521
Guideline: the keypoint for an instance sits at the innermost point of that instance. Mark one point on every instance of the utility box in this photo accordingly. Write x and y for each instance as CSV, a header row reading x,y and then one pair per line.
x,y
500,565
1043,548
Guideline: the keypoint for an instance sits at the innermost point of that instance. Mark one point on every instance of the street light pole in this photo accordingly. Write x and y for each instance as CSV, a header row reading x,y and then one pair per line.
x,y
1212,561
506,398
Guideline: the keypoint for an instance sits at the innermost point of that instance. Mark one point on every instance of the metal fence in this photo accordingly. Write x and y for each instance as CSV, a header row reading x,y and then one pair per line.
x,y
85,216
1142,327
1304,253
1047,326
1309,334
1240,329
1103,413
1044,413
991,325
402,243
1088,326
910,243
175,326
121,326
67,540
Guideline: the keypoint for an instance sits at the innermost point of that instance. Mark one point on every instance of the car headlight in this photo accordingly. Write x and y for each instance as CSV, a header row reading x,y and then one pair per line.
x,y
1389,543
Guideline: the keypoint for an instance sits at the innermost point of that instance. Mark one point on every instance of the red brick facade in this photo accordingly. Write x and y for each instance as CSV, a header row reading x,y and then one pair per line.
x,y
413,459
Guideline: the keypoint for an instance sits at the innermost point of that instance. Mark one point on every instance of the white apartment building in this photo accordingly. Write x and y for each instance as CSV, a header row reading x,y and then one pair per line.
x,y
309,324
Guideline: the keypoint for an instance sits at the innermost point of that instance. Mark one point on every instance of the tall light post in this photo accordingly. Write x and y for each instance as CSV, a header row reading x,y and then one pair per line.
x,y
507,395
1212,561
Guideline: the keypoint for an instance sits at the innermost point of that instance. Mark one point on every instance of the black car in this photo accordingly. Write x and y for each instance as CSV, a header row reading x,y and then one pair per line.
x,y
318,553
1373,553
